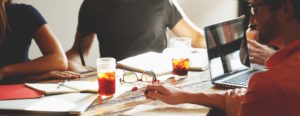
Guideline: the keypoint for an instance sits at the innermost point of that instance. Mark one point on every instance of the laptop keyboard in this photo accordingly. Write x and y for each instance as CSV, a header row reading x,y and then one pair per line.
x,y
242,79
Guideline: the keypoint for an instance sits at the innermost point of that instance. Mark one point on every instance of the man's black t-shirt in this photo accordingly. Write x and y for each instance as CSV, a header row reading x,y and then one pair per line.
x,y
128,27
24,21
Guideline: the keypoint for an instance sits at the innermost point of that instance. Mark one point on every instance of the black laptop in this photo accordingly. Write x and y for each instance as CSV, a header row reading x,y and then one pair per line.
x,y
228,54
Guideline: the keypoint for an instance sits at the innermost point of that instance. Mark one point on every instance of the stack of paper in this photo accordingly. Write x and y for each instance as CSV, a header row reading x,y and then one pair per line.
x,y
161,63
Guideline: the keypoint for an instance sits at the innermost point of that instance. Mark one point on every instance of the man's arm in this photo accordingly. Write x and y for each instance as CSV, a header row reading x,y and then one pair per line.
x,y
73,55
183,29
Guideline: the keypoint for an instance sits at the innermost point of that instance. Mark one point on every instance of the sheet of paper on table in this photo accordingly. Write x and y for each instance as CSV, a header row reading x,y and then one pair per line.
x,y
167,110
161,63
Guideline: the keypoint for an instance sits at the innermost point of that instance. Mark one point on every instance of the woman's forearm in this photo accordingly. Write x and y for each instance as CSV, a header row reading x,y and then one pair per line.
x,y
37,66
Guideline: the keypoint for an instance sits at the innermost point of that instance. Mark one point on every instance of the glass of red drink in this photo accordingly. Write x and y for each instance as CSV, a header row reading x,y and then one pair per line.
x,y
180,66
180,60
106,68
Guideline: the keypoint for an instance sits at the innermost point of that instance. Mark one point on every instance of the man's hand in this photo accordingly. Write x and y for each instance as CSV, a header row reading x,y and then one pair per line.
x,y
233,100
259,53
165,92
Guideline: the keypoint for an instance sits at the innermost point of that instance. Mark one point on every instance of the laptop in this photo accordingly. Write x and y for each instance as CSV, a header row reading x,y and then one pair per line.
x,y
228,57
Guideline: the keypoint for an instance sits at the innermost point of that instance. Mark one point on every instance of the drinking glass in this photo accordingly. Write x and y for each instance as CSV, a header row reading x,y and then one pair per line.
x,y
180,61
106,73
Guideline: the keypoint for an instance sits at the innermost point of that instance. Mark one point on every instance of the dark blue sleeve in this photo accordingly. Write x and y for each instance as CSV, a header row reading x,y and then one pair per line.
x,y
34,19
85,25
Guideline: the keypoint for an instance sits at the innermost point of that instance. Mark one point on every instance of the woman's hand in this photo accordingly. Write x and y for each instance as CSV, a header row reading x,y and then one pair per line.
x,y
61,75
166,93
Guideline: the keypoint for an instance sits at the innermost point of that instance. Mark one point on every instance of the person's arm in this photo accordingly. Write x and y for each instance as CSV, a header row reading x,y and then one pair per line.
x,y
229,102
73,55
183,29
173,95
53,56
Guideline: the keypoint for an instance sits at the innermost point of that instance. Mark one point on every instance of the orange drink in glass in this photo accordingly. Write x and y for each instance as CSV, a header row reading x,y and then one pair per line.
x,y
107,85
180,66
180,60
106,73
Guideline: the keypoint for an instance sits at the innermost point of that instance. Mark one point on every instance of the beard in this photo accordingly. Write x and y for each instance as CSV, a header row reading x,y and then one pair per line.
x,y
269,30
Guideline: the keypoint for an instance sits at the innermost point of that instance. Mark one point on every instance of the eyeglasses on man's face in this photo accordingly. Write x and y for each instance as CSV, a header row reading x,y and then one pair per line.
x,y
131,77
254,7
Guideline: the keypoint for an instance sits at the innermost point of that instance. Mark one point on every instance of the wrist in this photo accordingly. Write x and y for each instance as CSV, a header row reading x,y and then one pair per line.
x,y
188,97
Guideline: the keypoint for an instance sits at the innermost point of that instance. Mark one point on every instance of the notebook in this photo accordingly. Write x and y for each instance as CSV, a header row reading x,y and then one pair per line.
x,y
20,91
67,87
228,57
161,63
73,103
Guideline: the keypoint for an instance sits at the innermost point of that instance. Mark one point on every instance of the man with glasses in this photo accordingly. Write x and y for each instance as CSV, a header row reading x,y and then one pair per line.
x,y
275,92
259,49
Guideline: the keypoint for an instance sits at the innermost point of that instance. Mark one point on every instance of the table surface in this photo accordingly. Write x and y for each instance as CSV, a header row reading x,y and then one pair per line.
x,y
196,81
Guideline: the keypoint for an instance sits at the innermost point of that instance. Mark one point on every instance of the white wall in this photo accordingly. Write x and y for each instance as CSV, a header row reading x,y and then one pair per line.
x,y
206,12
62,16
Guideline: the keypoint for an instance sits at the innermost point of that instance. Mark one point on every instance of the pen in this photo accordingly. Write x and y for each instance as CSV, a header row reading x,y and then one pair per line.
x,y
61,84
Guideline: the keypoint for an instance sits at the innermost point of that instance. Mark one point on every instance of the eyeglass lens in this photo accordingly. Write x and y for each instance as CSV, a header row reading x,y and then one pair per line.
x,y
130,77
148,76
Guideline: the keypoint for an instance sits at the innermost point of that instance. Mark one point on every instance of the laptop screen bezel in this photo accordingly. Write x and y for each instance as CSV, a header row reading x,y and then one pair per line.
x,y
217,25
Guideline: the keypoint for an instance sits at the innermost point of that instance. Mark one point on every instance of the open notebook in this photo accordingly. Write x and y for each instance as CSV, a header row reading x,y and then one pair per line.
x,y
161,63
73,103
68,87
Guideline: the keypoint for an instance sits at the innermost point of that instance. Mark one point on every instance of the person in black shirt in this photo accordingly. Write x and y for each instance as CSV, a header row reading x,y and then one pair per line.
x,y
19,23
128,27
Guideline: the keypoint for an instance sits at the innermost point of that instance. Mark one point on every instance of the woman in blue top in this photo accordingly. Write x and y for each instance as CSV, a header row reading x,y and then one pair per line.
x,y
19,23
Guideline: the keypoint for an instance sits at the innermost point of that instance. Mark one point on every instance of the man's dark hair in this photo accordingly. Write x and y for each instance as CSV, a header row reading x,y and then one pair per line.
x,y
275,4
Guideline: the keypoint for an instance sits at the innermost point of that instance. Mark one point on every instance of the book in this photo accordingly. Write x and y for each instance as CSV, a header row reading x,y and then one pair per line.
x,y
67,87
19,91
161,63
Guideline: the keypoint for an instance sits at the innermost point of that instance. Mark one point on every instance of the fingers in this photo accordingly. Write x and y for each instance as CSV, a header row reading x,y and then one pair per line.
x,y
252,49
257,60
257,54
64,74
155,95
156,91
236,92
157,87
254,43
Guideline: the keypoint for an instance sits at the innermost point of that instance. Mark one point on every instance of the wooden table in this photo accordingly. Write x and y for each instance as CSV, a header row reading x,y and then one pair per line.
x,y
196,81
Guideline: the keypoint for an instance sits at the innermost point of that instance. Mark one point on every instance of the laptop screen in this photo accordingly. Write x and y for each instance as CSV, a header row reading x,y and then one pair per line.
x,y
227,48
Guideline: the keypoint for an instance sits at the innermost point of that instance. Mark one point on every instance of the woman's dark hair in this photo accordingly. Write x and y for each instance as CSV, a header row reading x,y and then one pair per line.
x,y
4,26
3,21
